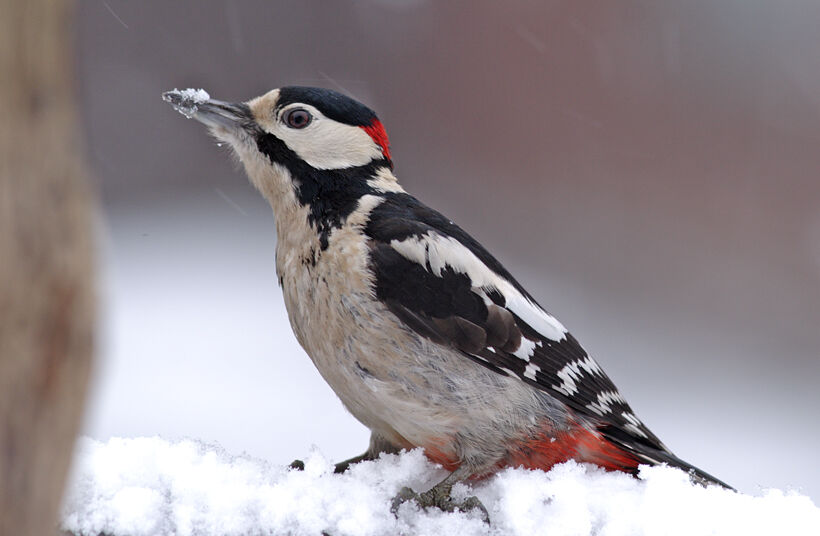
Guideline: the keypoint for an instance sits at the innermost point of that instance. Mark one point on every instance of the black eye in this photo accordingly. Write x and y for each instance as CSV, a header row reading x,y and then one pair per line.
x,y
298,118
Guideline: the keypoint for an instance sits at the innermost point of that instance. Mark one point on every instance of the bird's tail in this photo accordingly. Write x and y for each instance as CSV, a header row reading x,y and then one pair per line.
x,y
696,474
652,455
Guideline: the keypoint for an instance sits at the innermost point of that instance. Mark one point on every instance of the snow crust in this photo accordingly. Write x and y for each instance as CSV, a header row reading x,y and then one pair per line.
x,y
150,486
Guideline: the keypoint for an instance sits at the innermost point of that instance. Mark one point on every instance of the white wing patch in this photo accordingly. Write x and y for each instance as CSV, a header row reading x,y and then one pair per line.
x,y
530,371
602,405
412,250
526,349
538,319
571,373
439,251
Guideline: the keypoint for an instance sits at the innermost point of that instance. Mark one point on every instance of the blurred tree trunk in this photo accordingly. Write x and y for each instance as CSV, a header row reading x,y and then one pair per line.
x,y
46,264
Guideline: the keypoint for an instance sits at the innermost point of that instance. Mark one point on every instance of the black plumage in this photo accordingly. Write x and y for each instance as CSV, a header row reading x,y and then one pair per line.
x,y
449,309
330,194
333,104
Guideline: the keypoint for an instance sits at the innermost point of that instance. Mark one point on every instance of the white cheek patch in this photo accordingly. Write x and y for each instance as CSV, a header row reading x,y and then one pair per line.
x,y
328,144
441,251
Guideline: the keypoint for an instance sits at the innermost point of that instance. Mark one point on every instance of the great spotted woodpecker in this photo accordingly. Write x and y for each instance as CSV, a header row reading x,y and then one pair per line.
x,y
424,336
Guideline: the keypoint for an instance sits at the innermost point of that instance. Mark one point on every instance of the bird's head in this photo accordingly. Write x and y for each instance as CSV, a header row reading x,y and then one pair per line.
x,y
299,142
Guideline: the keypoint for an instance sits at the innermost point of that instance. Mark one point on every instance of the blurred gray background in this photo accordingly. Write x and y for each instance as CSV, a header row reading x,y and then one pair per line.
x,y
649,170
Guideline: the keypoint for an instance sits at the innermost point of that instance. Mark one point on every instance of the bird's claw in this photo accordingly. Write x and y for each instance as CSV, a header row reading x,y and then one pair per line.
x,y
405,494
441,499
298,465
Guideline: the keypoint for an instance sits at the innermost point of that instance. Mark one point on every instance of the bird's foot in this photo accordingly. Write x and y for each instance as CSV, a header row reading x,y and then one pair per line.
x,y
343,466
440,498
340,467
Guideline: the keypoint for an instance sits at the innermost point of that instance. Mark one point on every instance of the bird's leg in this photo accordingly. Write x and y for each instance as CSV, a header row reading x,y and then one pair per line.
x,y
340,467
377,445
439,496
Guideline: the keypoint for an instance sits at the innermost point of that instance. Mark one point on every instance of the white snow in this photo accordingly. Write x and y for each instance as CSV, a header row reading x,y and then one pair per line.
x,y
150,486
196,96
185,101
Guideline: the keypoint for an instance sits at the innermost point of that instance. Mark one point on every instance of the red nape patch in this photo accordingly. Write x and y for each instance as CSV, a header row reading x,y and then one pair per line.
x,y
377,133
579,444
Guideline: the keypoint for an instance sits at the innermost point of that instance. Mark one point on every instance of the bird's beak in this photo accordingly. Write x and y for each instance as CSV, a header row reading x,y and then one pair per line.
x,y
211,112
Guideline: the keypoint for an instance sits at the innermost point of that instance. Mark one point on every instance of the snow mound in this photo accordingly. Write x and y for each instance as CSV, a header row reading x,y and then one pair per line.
x,y
150,486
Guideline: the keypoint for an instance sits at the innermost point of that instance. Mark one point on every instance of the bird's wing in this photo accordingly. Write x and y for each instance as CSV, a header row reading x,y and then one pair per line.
x,y
445,286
